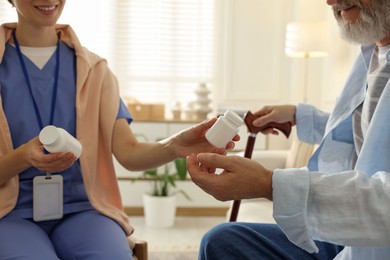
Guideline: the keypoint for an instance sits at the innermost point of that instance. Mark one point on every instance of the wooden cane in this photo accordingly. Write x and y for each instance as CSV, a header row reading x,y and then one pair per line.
x,y
285,128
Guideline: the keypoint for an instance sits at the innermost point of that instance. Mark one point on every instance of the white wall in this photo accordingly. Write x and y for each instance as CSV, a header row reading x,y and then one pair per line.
x,y
253,70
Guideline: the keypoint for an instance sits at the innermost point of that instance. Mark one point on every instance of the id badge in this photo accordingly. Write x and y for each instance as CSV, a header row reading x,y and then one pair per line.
x,y
47,197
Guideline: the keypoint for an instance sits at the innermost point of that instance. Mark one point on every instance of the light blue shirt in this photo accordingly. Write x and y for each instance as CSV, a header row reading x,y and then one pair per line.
x,y
339,198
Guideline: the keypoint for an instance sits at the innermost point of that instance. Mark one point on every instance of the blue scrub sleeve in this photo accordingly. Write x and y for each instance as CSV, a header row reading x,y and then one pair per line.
x,y
124,112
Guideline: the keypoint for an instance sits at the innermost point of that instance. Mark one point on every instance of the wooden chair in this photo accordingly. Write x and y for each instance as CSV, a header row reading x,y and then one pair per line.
x,y
139,247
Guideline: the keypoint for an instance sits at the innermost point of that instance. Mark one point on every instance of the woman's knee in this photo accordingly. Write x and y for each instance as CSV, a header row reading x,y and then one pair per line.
x,y
23,239
91,234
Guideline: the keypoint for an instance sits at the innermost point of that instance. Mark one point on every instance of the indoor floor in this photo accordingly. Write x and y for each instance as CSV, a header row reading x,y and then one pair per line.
x,y
180,242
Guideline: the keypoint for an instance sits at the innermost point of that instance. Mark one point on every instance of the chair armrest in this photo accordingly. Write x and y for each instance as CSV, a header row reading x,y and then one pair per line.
x,y
139,248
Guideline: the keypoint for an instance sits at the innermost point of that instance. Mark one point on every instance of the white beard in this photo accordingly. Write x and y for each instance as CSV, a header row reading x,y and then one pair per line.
x,y
372,25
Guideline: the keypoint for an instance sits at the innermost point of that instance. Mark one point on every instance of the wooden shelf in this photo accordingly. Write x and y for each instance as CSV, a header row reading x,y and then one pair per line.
x,y
125,178
167,120
184,211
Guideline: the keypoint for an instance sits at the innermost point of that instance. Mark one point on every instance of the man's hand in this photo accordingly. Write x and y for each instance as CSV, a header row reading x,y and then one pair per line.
x,y
241,178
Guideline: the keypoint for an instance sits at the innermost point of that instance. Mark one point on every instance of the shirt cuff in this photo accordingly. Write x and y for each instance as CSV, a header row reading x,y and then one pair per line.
x,y
304,118
290,193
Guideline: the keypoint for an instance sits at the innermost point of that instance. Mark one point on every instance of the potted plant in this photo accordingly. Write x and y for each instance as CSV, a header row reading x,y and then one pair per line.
x,y
163,179
160,202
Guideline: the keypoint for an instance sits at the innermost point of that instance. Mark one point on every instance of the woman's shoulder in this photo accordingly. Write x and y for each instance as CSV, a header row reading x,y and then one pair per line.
x,y
69,37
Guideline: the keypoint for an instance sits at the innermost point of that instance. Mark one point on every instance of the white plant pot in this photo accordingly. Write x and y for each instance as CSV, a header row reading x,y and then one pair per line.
x,y
159,212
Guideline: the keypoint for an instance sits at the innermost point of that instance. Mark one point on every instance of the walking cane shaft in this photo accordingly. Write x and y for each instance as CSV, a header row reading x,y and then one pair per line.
x,y
285,128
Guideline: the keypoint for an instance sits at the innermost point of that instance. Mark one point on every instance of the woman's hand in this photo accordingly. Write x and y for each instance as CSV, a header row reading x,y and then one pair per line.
x,y
29,155
55,162
193,140
138,156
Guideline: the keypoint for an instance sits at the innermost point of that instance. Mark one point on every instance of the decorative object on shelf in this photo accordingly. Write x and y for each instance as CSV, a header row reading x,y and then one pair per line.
x,y
202,101
307,39
144,111
189,111
160,203
176,110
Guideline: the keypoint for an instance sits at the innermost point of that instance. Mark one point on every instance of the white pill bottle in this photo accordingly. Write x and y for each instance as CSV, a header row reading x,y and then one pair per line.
x,y
223,131
56,139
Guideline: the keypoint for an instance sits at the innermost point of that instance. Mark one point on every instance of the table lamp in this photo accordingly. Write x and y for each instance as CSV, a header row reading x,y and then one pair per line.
x,y
307,39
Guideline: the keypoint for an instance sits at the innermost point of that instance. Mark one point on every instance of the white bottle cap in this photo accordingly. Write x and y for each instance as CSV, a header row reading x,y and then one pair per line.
x,y
49,135
235,119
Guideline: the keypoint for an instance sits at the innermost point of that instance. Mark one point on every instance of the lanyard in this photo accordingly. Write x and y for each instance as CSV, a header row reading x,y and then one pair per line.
x,y
26,76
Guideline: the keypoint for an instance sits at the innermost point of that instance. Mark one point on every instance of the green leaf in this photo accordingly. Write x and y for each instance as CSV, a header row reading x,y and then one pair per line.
x,y
181,168
184,194
151,173
163,178
171,180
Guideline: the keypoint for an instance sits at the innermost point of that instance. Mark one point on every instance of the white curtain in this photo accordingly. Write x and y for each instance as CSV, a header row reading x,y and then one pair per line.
x,y
164,48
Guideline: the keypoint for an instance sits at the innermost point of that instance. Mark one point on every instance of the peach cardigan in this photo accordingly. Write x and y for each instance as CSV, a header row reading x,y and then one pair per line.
x,y
97,104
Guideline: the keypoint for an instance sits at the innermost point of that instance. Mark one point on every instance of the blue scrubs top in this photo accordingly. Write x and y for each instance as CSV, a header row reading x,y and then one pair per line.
x,y
19,110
